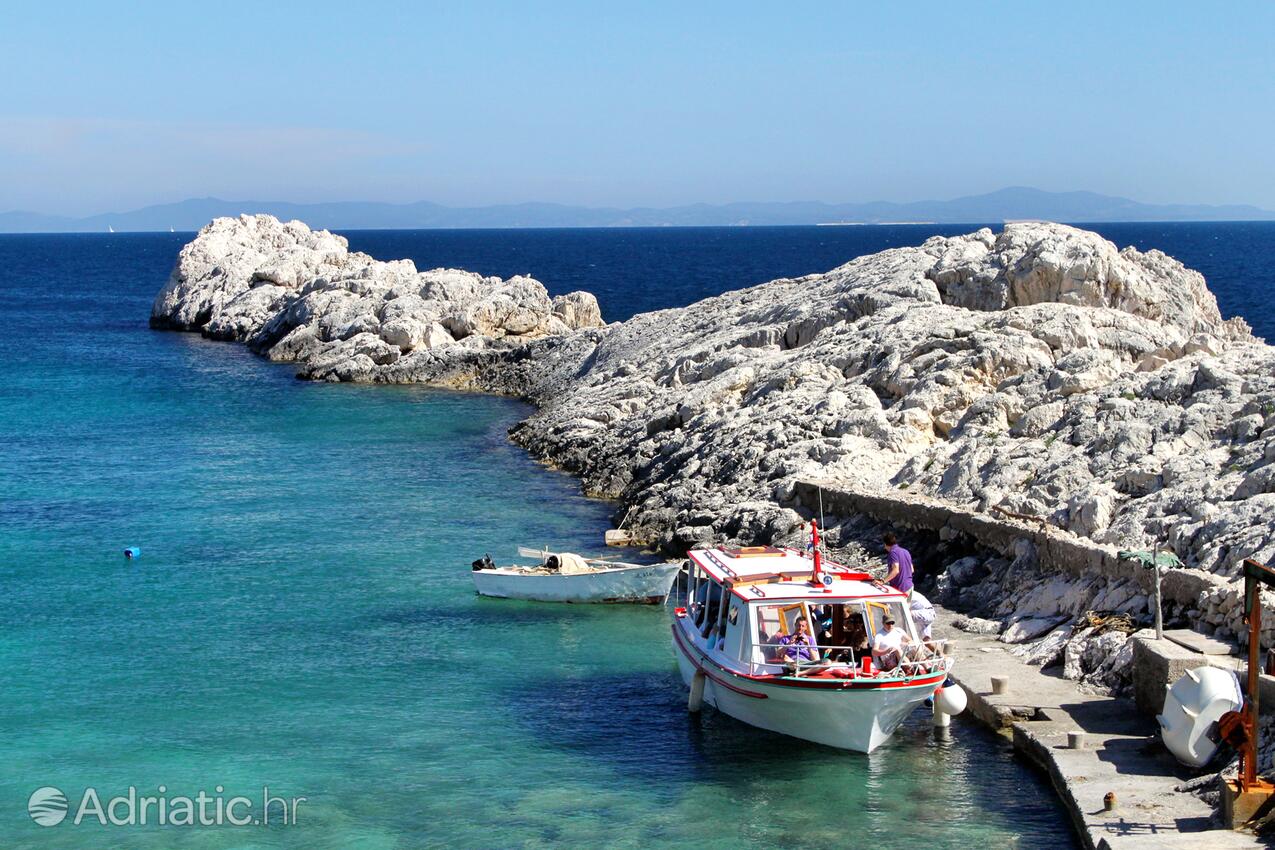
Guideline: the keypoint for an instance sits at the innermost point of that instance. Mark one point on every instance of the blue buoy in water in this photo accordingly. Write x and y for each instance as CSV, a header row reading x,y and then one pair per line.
x,y
133,552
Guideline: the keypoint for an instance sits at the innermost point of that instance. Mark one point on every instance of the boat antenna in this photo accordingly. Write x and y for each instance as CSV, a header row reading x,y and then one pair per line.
x,y
822,524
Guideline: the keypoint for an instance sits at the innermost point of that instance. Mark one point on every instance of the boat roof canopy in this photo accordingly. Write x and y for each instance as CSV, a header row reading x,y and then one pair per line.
x,y
767,572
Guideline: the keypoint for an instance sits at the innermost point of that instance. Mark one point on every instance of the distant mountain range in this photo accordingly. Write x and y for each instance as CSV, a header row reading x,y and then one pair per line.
x,y
1006,204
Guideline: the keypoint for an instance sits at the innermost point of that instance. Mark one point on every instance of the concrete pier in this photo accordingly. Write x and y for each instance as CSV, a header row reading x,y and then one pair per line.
x,y
1120,752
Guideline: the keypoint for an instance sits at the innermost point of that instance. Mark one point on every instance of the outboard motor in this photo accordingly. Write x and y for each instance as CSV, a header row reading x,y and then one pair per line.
x,y
485,563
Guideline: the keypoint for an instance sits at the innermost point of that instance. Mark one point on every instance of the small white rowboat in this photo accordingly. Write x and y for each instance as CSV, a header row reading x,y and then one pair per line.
x,y
564,577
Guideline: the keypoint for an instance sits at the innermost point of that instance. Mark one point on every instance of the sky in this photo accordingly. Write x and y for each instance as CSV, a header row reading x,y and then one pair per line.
x,y
108,107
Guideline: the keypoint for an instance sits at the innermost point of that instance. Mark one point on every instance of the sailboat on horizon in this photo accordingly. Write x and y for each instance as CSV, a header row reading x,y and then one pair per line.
x,y
110,229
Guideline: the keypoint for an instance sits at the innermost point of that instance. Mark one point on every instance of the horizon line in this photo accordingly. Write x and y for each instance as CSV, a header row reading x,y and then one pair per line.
x,y
1079,224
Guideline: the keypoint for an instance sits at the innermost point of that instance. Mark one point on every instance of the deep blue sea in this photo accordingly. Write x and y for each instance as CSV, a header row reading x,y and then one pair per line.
x,y
301,617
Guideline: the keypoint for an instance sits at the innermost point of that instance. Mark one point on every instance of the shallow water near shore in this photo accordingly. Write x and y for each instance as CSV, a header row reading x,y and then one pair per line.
x,y
302,617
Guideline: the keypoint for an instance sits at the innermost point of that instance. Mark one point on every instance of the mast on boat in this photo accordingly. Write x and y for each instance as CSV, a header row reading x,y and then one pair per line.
x,y
816,578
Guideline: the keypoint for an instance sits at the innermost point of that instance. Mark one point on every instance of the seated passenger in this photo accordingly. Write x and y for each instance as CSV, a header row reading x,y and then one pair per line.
x,y
823,624
889,646
849,635
768,643
856,639
710,622
800,646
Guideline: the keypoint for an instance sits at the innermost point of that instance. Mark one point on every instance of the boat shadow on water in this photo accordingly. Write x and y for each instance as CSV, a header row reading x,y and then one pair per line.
x,y
641,724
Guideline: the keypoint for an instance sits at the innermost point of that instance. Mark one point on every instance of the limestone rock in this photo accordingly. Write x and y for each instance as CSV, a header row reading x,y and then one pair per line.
x,y
1047,651
299,295
1025,628
966,571
1039,371
578,310
977,625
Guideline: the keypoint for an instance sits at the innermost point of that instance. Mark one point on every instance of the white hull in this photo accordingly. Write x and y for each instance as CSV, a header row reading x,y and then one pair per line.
x,y
850,719
642,583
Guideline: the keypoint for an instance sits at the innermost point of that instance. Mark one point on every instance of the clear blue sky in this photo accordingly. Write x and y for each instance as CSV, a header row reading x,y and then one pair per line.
x,y
110,106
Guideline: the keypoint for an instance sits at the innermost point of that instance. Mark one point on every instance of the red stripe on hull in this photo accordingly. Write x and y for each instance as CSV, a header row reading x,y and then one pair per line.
x,y
700,667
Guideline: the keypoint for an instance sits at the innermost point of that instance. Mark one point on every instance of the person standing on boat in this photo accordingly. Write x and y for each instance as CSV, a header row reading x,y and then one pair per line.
x,y
800,646
899,559
922,615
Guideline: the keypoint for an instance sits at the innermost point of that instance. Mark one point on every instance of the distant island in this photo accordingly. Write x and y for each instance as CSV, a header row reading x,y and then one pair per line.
x,y
1015,203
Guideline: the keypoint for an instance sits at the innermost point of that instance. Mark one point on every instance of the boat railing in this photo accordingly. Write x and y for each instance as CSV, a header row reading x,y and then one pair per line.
x,y
930,657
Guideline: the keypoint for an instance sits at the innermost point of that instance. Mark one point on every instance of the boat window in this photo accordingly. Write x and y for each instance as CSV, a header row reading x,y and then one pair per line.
x,y
877,612
708,601
775,621
791,614
848,632
736,629
769,628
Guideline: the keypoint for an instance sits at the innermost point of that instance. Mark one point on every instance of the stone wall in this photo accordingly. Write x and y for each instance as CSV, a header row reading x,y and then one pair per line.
x,y
1217,600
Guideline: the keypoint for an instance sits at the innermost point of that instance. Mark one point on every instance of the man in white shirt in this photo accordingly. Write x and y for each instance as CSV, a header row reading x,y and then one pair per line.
x,y
887,647
922,615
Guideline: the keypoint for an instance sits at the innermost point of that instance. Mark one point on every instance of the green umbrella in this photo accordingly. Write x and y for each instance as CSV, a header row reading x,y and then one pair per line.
x,y
1149,559
1153,561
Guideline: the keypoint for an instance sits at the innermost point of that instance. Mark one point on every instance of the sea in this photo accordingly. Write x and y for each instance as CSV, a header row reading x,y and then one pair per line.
x,y
298,644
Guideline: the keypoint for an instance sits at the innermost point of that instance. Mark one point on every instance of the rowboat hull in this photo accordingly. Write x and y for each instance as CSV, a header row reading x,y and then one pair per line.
x,y
849,715
643,583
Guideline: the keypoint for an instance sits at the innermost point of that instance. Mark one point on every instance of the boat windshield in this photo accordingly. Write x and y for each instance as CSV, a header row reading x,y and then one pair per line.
x,y
840,632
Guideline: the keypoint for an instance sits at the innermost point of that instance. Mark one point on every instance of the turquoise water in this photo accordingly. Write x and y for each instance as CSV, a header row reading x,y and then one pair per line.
x,y
302,618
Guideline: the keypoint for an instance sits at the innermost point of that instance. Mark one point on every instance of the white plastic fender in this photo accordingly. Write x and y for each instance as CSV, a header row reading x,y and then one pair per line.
x,y
1192,708
696,699
950,699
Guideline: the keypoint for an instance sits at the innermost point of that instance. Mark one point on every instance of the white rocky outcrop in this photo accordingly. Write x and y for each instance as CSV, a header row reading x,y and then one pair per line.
x,y
1039,371
297,294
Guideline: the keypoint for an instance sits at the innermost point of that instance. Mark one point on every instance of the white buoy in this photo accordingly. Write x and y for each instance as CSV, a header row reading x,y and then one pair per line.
x,y
696,700
950,699
1192,708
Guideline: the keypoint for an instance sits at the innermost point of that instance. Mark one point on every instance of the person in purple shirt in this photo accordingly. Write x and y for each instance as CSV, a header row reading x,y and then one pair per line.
x,y
900,561
799,646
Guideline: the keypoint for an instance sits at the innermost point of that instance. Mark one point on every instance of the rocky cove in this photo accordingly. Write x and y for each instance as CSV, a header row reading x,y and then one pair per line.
x,y
1019,405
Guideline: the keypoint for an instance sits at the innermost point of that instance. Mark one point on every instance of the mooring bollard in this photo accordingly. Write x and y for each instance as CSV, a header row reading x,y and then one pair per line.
x,y
1109,801
1000,685
1075,740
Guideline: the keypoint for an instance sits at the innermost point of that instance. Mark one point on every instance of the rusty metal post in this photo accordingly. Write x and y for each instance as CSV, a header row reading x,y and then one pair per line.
x,y
1249,776
1255,575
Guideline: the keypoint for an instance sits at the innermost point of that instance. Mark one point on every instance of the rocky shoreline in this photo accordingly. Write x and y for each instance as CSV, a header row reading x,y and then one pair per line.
x,y
1037,373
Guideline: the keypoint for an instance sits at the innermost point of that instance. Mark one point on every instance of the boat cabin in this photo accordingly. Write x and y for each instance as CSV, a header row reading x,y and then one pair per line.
x,y
750,605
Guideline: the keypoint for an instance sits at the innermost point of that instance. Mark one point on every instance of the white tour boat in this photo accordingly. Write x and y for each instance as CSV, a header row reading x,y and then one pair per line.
x,y
566,577
736,645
